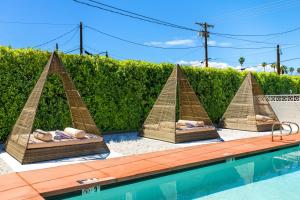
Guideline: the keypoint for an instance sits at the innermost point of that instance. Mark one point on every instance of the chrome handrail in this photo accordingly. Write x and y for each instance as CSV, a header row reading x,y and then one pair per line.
x,y
275,123
284,123
289,125
296,126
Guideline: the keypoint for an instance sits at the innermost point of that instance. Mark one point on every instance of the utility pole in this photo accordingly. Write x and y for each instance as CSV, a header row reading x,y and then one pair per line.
x,y
204,33
106,54
56,46
278,60
81,39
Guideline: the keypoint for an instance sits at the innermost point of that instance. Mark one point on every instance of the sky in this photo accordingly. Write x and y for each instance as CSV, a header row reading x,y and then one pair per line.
x,y
36,18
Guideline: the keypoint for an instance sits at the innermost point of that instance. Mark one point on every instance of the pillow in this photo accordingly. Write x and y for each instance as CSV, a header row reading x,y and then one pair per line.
x,y
42,135
262,118
79,134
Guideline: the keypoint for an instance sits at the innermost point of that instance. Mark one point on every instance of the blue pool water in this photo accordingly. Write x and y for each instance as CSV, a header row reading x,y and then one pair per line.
x,y
274,175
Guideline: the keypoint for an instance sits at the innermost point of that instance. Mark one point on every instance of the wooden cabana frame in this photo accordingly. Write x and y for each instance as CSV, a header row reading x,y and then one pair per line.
x,y
161,121
17,144
248,103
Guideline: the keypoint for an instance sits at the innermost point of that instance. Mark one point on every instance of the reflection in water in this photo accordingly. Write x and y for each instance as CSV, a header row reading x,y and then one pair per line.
x,y
169,190
203,181
246,172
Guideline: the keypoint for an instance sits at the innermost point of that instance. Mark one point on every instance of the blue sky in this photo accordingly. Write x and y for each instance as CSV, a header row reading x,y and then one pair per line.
x,y
228,16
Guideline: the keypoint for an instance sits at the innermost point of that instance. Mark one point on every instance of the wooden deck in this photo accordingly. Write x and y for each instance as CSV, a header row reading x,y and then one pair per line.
x,y
37,184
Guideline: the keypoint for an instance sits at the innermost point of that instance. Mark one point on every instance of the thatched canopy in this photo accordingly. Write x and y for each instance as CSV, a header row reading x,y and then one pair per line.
x,y
246,105
81,118
177,100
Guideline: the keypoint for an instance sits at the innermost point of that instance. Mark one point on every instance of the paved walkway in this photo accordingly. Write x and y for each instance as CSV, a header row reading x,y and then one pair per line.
x,y
123,144
58,180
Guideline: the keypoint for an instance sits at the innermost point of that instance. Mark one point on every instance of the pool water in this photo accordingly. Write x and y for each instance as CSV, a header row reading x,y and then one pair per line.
x,y
274,175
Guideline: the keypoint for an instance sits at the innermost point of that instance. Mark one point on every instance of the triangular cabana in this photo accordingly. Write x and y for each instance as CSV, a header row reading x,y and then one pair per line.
x,y
22,145
177,101
249,109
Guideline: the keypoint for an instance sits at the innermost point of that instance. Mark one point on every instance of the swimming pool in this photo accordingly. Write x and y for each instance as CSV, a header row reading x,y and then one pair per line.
x,y
273,175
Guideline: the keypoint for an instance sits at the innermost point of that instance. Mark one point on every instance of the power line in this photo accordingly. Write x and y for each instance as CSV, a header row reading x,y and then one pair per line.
x,y
257,35
133,15
143,16
251,41
291,59
35,23
71,50
245,48
172,48
56,38
70,39
140,44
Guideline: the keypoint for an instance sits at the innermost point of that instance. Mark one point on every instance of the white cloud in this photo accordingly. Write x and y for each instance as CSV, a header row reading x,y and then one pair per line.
x,y
225,44
212,43
180,42
183,42
215,43
222,65
197,63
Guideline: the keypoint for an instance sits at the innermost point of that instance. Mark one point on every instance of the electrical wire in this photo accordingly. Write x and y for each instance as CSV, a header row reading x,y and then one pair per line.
x,y
256,35
140,44
172,48
71,50
35,23
143,16
251,41
245,48
70,39
291,59
134,15
56,38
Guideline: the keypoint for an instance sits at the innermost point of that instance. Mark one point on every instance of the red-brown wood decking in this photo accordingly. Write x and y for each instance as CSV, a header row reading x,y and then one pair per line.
x,y
37,184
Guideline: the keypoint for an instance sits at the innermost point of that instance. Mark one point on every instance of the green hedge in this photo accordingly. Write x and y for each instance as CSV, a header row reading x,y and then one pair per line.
x,y
119,94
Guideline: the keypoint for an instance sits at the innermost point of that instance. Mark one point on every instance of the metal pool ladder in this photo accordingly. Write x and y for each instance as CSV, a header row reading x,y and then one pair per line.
x,y
288,124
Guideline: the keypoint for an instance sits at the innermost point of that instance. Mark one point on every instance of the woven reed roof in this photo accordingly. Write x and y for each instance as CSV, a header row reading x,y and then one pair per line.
x,y
81,118
248,102
177,93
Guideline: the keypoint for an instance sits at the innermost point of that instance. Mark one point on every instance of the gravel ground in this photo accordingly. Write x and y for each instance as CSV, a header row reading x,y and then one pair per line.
x,y
4,168
130,144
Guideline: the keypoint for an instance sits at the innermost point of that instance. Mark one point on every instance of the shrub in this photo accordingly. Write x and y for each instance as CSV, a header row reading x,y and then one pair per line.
x,y
119,94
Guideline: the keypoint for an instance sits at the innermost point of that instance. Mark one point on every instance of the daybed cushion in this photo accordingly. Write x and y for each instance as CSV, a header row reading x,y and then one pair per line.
x,y
195,130
189,122
89,138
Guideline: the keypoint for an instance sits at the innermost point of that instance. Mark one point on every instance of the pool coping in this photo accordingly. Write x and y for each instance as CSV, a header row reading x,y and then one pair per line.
x,y
36,184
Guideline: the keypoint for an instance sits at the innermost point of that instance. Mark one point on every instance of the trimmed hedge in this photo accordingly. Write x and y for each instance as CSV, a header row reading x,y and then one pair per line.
x,y
119,94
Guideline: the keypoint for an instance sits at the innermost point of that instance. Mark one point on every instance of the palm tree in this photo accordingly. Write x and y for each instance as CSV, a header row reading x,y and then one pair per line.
x,y
291,69
284,69
273,65
242,60
264,64
298,70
